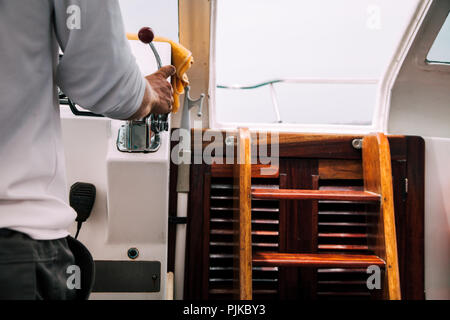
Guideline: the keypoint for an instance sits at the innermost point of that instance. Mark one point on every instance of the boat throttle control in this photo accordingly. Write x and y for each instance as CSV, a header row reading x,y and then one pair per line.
x,y
143,135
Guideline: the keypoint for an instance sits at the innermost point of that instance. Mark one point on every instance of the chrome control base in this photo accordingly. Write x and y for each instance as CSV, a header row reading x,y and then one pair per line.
x,y
136,136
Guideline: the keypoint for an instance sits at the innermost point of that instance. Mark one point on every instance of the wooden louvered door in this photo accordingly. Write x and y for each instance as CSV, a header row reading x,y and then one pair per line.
x,y
301,224
265,236
316,226
323,226
319,226
298,227
342,228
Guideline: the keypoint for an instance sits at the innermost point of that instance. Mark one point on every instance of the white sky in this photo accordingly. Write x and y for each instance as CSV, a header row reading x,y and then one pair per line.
x,y
161,15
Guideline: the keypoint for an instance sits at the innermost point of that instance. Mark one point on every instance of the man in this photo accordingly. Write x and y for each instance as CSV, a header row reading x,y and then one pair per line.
x,y
97,71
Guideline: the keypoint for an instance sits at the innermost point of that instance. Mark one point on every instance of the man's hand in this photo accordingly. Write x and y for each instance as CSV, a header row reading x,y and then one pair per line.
x,y
158,97
161,95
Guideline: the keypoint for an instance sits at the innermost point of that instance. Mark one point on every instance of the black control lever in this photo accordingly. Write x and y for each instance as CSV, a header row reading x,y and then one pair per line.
x,y
144,135
146,35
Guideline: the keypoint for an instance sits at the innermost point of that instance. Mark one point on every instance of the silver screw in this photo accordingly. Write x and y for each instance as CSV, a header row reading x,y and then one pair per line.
x,y
229,141
357,143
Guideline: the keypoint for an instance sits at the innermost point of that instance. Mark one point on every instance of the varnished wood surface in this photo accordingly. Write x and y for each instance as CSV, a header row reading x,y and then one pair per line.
x,y
342,235
337,195
407,154
412,230
328,169
378,179
344,247
315,260
297,145
257,170
206,229
243,227
298,227
340,169
196,267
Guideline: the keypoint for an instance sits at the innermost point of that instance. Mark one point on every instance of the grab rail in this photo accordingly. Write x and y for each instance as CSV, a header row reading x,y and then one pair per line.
x,y
295,80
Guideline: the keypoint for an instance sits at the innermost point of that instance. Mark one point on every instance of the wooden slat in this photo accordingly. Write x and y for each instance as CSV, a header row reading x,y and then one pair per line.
x,y
343,224
258,171
256,221
340,169
243,227
271,210
230,280
342,282
343,213
343,293
354,247
378,178
347,188
342,270
231,291
316,260
342,235
231,244
254,232
291,194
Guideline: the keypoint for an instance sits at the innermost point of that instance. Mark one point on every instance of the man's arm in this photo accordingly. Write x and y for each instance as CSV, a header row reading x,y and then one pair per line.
x,y
98,70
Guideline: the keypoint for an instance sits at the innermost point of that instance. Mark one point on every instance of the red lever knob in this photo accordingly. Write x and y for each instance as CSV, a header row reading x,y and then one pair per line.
x,y
146,35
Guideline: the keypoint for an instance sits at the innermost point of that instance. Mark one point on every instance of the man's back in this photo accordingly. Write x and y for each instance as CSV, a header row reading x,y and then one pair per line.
x,y
97,70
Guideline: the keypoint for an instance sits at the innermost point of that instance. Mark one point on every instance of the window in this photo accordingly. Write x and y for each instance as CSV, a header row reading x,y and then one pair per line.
x,y
162,16
302,62
440,50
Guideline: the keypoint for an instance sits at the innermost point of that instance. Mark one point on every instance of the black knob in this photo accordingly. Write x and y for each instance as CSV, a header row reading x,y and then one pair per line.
x,y
146,35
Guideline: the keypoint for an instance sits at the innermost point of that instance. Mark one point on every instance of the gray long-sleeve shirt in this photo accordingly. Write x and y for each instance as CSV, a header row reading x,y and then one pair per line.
x,y
97,71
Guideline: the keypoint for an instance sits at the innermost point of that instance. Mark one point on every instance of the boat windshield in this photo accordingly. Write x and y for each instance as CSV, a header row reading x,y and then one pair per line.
x,y
440,50
303,62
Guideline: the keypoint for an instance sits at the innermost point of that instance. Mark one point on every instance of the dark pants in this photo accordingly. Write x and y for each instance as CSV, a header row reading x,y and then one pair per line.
x,y
41,269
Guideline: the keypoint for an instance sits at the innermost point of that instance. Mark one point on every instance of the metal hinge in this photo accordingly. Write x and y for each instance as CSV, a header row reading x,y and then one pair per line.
x,y
405,194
